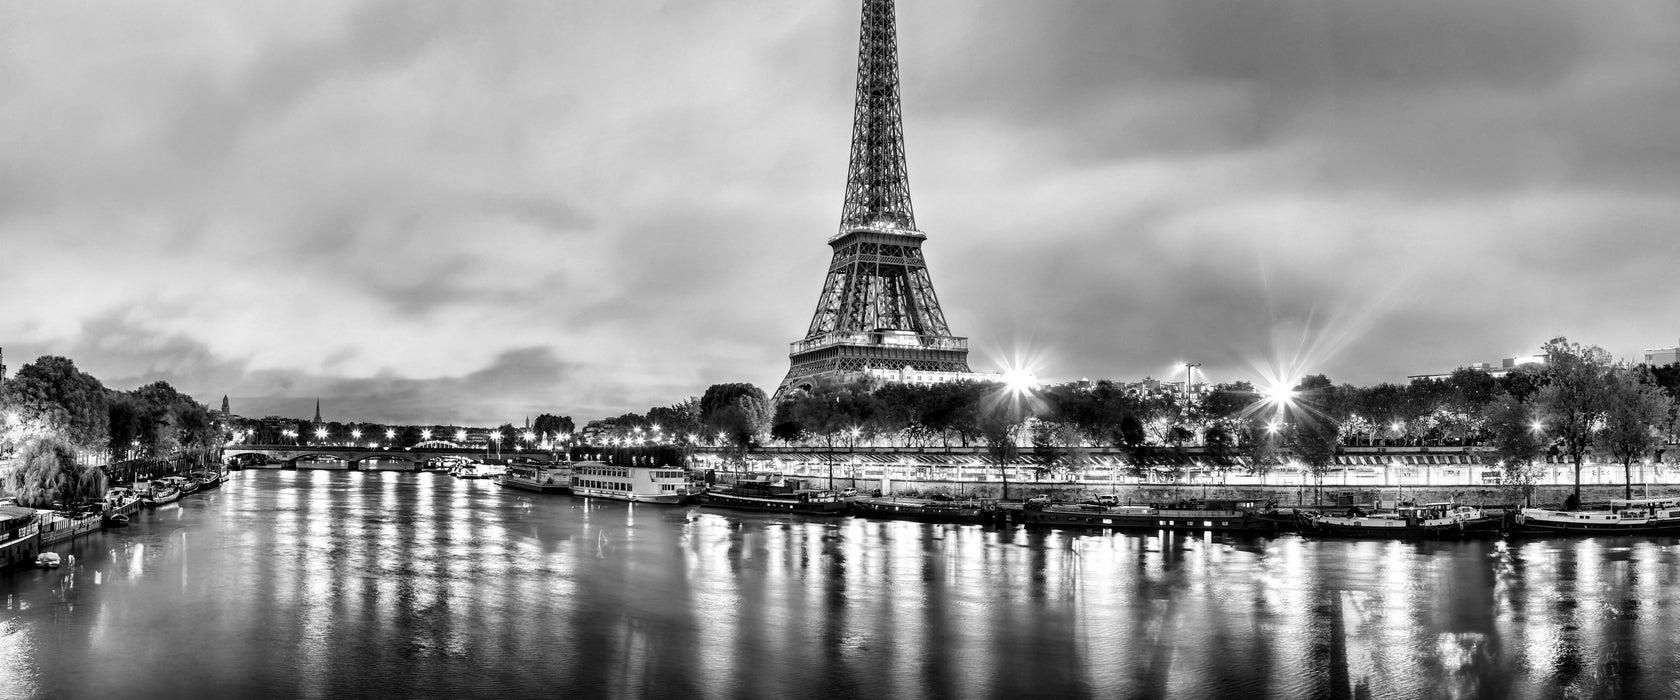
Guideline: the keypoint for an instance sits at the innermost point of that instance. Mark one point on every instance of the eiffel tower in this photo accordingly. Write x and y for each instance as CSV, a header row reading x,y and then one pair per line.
x,y
877,308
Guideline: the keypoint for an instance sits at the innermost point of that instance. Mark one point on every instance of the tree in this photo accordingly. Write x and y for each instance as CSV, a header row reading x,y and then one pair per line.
x,y
999,429
1219,445
1635,411
680,420
1572,401
739,412
829,411
1315,437
44,474
52,393
552,426
1515,442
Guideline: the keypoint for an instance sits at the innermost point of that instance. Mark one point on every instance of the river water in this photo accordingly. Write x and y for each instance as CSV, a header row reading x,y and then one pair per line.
x,y
319,584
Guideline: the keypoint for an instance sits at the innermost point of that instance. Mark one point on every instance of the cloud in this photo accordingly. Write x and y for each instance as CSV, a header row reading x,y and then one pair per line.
x,y
617,204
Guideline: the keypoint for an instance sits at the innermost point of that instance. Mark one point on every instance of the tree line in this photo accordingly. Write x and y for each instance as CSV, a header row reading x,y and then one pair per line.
x,y
57,423
1576,404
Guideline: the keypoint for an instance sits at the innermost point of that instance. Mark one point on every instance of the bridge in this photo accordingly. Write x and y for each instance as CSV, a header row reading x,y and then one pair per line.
x,y
288,455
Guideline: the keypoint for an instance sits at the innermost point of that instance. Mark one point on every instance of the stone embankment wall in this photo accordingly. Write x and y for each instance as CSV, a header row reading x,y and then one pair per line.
x,y
1286,496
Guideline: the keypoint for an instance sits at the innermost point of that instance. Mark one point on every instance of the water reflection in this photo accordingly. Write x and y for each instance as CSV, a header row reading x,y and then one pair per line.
x,y
378,584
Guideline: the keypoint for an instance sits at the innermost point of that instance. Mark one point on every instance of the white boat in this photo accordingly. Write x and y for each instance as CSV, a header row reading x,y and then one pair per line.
x,y
47,560
1641,516
470,471
636,484
542,478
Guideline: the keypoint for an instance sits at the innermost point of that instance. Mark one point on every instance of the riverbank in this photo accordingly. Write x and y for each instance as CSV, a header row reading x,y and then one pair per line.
x,y
1285,496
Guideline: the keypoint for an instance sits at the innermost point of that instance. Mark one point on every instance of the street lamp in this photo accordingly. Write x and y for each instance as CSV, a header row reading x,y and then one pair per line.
x,y
852,448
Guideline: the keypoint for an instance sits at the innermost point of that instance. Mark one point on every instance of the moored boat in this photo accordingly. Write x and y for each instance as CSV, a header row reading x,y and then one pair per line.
x,y
161,492
122,501
470,471
20,539
640,484
207,479
1427,521
1622,516
61,525
777,494
542,478
1244,516
182,484
924,510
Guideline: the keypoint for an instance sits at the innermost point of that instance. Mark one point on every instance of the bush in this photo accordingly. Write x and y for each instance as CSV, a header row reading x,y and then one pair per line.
x,y
44,473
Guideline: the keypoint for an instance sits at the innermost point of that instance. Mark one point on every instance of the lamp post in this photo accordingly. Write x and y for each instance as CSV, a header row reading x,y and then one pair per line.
x,y
852,449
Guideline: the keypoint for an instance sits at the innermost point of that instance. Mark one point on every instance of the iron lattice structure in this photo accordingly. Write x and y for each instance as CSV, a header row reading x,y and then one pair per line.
x,y
877,308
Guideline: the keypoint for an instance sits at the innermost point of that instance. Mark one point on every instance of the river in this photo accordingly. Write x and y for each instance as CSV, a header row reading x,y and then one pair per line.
x,y
324,584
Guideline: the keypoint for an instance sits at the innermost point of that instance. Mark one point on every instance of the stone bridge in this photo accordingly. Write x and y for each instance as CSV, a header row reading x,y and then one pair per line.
x,y
288,455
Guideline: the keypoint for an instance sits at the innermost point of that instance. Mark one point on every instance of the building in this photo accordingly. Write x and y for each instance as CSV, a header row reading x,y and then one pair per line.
x,y
1506,366
910,375
1662,356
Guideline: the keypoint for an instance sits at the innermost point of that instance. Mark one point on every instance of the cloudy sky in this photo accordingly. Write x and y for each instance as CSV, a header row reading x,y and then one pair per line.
x,y
425,211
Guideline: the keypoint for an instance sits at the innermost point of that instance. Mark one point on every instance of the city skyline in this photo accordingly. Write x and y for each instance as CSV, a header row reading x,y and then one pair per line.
x,y
429,212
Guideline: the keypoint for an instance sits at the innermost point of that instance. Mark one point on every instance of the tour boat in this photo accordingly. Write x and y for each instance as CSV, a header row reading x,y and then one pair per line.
x,y
924,510
1430,520
542,478
1247,516
640,484
47,560
778,494
1622,517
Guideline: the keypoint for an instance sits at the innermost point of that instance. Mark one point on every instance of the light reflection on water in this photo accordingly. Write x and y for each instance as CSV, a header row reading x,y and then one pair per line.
x,y
327,585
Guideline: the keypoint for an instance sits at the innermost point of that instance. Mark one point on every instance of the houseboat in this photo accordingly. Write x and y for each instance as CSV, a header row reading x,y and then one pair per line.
x,y
1241,516
120,504
925,510
207,478
542,478
1623,517
61,525
639,484
774,493
160,492
20,537
1427,521
182,484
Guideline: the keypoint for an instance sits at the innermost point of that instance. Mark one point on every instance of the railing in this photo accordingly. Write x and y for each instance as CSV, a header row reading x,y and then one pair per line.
x,y
885,339
880,227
